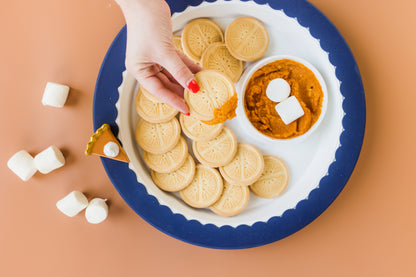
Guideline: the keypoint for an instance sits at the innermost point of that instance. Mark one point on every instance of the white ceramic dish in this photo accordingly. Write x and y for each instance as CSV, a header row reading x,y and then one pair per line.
x,y
308,161
242,117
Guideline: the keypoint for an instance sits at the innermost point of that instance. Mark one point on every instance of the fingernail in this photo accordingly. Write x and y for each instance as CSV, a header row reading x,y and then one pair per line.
x,y
187,114
193,86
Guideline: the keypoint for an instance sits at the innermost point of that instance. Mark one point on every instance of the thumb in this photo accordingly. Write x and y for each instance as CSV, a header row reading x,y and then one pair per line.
x,y
178,69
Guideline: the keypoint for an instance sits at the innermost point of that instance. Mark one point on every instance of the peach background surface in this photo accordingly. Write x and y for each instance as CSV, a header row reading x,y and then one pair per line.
x,y
370,229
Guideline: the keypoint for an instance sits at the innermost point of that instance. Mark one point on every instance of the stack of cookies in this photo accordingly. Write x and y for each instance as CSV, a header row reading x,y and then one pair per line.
x,y
202,40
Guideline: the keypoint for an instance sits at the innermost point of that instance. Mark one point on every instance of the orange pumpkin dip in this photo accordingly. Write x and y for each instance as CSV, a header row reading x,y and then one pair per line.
x,y
261,111
227,111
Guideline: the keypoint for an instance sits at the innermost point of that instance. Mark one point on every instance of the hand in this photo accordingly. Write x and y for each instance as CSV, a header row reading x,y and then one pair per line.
x,y
150,55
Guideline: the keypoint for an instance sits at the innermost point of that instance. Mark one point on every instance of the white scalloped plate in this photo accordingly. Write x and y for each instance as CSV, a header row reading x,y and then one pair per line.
x,y
308,161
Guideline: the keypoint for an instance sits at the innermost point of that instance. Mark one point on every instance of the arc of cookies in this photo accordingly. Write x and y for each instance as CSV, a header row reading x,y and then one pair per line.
x,y
201,185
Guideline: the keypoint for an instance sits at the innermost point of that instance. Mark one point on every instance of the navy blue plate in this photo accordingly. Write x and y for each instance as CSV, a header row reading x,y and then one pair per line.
x,y
260,233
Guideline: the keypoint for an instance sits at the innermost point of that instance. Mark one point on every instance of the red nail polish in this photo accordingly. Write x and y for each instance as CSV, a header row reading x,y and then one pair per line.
x,y
187,114
193,86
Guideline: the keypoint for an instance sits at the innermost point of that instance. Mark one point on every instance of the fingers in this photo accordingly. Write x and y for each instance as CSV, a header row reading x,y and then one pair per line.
x,y
189,63
167,82
169,76
157,87
179,70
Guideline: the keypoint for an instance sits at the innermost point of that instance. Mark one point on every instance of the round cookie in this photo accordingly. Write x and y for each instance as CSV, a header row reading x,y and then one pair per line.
x,y
246,167
205,189
197,130
274,179
158,138
217,57
232,201
169,161
198,35
178,179
149,95
154,112
215,90
177,43
218,151
246,38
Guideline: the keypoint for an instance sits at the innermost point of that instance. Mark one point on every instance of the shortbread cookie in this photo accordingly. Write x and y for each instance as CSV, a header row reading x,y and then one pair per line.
x,y
205,189
158,138
178,179
169,161
197,130
232,201
149,95
215,90
218,58
177,43
154,112
218,151
198,35
273,180
246,38
245,168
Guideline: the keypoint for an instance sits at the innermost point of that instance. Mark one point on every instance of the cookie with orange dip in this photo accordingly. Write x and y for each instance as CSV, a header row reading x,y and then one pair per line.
x,y
217,99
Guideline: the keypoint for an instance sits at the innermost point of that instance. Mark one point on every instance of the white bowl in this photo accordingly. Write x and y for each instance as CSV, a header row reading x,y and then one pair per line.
x,y
241,86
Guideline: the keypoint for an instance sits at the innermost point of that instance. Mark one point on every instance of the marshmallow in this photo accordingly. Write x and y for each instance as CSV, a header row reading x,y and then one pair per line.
x,y
22,164
278,90
96,211
111,149
49,159
289,110
73,203
55,95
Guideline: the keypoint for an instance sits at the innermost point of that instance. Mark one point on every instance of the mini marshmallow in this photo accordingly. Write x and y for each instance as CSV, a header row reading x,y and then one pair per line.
x,y
289,110
96,211
22,164
111,149
278,90
49,159
55,95
73,203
